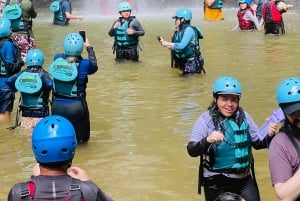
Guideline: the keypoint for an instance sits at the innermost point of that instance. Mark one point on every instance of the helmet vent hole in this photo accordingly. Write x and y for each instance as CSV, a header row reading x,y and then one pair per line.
x,y
44,152
52,125
64,150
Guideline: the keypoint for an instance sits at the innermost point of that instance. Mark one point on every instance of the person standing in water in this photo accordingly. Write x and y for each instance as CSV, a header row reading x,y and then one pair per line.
x,y
247,21
22,31
64,14
53,144
10,64
284,150
258,5
34,84
70,72
185,44
223,137
126,30
213,9
272,15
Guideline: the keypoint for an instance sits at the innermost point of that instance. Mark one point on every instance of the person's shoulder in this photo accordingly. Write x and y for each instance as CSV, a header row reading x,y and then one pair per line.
x,y
281,136
7,43
65,2
191,28
15,191
280,141
88,188
132,18
92,191
205,116
59,55
245,112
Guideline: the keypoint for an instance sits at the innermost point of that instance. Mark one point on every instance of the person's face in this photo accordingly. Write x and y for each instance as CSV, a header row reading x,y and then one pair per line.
x,y
294,118
177,22
243,6
125,14
227,104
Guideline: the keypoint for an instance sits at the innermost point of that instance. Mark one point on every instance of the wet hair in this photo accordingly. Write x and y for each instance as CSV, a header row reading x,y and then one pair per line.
x,y
228,196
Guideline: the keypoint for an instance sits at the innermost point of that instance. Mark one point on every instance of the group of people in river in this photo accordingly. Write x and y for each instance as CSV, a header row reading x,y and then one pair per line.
x,y
252,14
223,136
57,129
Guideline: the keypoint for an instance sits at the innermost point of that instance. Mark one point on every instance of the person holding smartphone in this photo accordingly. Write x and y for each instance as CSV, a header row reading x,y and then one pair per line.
x,y
126,30
70,73
82,33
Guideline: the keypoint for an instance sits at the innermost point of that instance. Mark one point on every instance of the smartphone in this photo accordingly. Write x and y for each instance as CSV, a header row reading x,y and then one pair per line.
x,y
82,33
158,38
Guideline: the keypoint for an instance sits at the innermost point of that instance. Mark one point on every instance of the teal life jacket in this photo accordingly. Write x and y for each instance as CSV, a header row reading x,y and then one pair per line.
x,y
57,9
64,76
192,48
217,4
30,84
233,154
14,13
121,37
54,6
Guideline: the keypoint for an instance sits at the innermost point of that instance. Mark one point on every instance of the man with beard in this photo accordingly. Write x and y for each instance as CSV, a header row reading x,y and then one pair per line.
x,y
284,151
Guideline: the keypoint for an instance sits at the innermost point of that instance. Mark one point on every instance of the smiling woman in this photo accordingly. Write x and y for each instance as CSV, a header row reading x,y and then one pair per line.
x,y
223,136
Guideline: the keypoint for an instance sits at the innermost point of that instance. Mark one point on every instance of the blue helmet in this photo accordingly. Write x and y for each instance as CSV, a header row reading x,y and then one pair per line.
x,y
183,13
227,85
288,90
4,27
73,44
54,140
248,2
124,6
35,57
